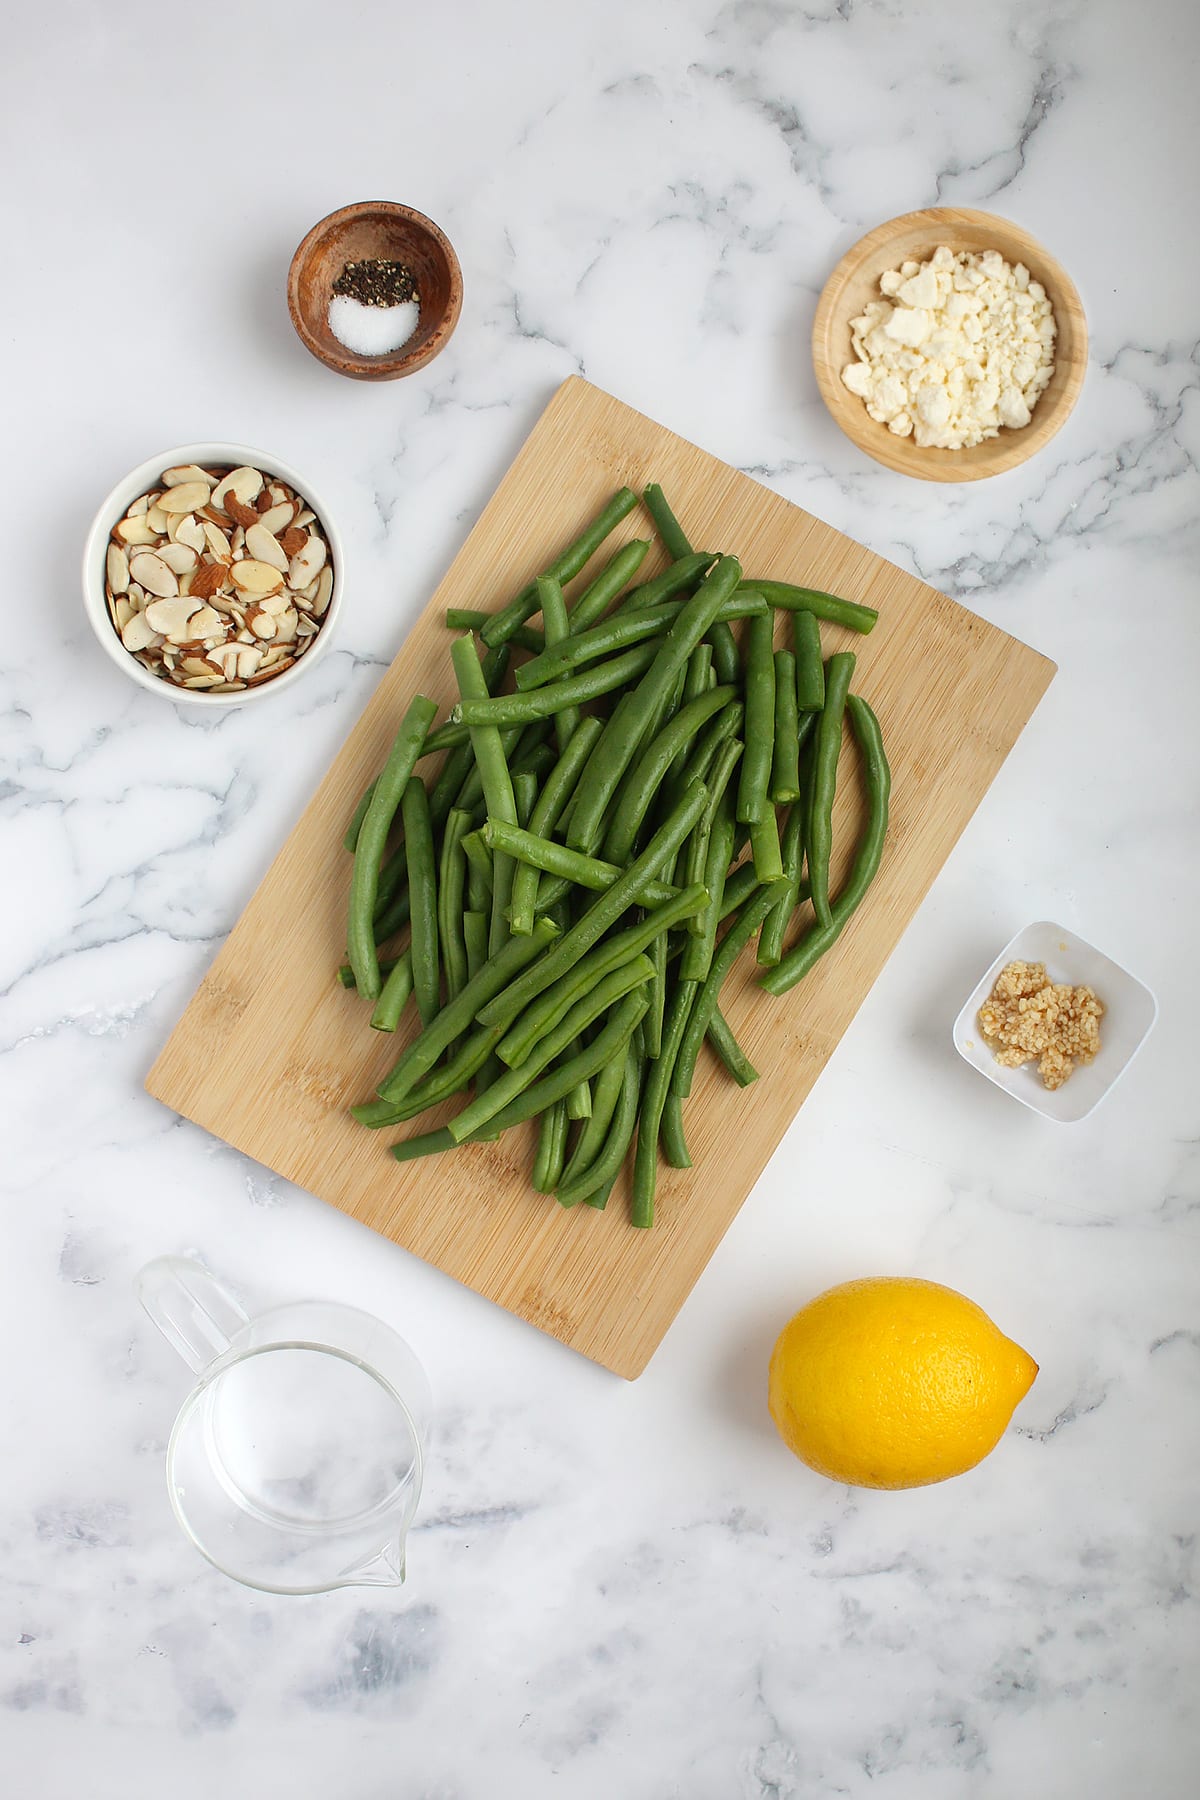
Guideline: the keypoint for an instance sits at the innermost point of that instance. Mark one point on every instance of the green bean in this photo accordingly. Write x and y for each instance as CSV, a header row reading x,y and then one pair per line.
x,y
452,881
579,1100
455,1017
644,779
345,973
558,1083
729,1050
485,737
764,848
754,780
386,924
502,624
601,1172
609,1082
682,575
558,631
617,748
727,661
360,813
422,889
785,760
599,1197
818,939
770,938
733,943
467,1059
551,1004
654,1094
551,1148
507,1087
393,880
717,780
469,618
810,667
368,854
741,883
652,1024
698,951
426,1143
669,529
707,753
559,785
574,690
634,626
671,1134
525,793
789,598
825,764
556,859
475,924
603,913
479,863
621,567
394,996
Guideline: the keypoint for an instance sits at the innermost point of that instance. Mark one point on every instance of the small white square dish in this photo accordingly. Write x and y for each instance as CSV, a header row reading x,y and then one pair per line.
x,y
1130,1010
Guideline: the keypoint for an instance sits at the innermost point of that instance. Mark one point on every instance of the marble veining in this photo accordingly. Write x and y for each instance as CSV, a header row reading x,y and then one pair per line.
x,y
612,1589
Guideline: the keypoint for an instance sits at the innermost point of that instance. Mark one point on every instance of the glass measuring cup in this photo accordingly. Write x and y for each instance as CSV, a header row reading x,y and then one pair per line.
x,y
295,1463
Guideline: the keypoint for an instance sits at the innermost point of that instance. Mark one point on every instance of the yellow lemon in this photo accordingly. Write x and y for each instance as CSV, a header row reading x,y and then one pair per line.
x,y
892,1382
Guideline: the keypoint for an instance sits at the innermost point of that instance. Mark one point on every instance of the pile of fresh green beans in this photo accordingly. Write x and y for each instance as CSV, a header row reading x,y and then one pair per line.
x,y
562,880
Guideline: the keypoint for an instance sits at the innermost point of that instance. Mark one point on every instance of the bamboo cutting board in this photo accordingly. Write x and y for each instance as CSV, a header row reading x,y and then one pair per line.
x,y
271,1051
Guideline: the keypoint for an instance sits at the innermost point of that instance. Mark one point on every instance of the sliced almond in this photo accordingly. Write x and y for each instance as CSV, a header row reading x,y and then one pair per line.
x,y
264,545
305,516
262,624
171,617
184,472
201,681
306,595
289,620
265,674
135,531
205,624
180,557
218,543
137,596
243,484
278,492
306,628
229,687
140,506
278,518
254,577
241,515
308,563
293,540
122,611
276,654
247,662
190,531
156,519
237,541
185,498
302,644
324,593
138,633
209,580
116,569
152,573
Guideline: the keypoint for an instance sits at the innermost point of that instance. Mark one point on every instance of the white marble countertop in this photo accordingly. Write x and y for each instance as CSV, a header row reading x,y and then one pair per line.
x,y
615,1589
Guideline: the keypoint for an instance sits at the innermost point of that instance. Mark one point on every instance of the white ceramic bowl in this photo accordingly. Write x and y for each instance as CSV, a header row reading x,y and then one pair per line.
x,y
138,482
1130,1009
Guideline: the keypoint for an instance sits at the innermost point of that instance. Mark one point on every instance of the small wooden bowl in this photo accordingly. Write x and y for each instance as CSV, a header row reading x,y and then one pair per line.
x,y
375,228
914,237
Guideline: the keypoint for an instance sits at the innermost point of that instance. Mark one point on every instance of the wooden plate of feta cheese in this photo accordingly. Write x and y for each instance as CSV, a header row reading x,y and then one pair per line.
x,y
949,345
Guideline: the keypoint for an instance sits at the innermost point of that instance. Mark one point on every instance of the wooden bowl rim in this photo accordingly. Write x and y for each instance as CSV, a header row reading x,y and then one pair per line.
x,y
995,456
400,362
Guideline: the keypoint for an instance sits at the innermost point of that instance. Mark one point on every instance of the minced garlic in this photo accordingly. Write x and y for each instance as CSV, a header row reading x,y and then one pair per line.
x,y
1027,1016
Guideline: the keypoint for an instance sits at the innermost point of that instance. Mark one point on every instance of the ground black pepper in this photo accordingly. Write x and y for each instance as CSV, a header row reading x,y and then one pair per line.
x,y
375,282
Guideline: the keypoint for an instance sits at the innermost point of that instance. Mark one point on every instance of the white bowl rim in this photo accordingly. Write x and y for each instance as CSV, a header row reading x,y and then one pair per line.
x,y
136,482
1032,1096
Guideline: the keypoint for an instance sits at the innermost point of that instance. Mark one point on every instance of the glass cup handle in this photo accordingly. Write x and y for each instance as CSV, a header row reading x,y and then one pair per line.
x,y
194,1312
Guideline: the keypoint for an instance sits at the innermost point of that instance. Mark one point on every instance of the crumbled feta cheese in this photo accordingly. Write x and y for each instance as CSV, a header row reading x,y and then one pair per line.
x,y
958,347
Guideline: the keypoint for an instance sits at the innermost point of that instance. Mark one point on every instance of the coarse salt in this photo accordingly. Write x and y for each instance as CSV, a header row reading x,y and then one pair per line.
x,y
372,330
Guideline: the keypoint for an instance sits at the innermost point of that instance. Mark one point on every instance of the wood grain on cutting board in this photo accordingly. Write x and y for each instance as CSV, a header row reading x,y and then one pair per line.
x,y
272,1050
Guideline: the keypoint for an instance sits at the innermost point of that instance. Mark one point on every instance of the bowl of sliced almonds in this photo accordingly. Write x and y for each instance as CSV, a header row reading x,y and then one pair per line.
x,y
212,574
